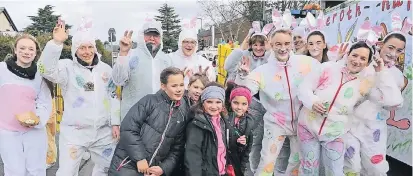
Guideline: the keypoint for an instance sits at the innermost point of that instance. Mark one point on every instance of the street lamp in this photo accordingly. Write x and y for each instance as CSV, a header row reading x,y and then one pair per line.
x,y
112,38
201,22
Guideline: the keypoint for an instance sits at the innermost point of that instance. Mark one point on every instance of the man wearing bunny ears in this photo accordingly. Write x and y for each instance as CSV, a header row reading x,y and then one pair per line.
x,y
138,70
91,119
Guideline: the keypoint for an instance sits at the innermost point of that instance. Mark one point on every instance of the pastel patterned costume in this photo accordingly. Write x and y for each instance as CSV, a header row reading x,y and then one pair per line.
x,y
367,141
90,108
23,150
340,92
277,84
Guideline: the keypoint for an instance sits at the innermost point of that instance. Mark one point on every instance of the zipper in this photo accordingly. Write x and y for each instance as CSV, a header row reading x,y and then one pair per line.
x,y
334,100
163,134
291,100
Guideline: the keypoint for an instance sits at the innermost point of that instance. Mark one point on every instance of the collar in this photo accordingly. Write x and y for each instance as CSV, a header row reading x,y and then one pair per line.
x,y
168,100
347,75
83,63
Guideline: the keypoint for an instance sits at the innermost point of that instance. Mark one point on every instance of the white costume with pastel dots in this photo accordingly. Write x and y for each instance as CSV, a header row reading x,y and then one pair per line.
x,y
192,62
90,107
277,84
366,143
340,92
22,148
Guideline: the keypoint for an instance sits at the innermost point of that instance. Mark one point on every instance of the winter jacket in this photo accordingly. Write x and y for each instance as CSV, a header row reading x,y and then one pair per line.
x,y
139,72
240,152
233,62
341,94
202,146
277,84
153,130
20,95
192,62
88,92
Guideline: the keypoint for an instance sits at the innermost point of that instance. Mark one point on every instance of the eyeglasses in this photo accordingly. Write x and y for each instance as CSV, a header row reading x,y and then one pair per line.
x,y
185,42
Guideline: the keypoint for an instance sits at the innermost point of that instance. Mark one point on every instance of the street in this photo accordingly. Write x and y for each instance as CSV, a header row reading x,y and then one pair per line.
x,y
397,168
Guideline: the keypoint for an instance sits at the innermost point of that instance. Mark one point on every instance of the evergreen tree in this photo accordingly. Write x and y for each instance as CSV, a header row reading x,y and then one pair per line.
x,y
170,27
44,23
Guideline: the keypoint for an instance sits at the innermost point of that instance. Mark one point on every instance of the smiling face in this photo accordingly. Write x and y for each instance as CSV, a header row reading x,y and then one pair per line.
x,y
195,90
86,52
25,51
282,45
213,106
258,49
298,42
239,105
357,60
188,47
392,49
316,45
174,87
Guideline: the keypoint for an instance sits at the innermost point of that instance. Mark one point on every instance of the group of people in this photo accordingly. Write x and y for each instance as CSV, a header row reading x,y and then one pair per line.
x,y
287,108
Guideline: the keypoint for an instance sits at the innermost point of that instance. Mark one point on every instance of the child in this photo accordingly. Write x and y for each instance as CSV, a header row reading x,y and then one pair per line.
x,y
207,139
241,126
25,108
196,85
152,134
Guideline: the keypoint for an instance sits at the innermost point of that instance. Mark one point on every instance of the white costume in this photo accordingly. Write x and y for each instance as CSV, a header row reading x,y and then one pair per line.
x,y
277,84
192,62
139,72
90,107
23,150
340,92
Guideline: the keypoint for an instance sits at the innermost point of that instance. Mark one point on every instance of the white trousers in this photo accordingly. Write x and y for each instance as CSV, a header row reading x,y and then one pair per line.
x,y
24,153
73,143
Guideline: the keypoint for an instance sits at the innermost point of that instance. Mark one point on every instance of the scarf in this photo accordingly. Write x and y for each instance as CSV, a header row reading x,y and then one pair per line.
x,y
27,73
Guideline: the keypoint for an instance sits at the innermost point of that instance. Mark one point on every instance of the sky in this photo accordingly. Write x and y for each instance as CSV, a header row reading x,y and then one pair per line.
x,y
120,14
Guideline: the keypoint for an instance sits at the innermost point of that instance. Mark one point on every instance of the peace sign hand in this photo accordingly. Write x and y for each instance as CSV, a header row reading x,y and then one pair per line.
x,y
245,64
203,72
125,43
379,62
342,50
60,34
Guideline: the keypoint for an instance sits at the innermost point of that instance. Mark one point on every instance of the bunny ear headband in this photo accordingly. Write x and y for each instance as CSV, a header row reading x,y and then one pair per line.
x,y
191,24
314,24
284,22
368,33
256,29
399,26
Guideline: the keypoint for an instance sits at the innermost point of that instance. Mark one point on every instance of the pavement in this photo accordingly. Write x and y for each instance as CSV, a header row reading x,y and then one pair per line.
x,y
397,168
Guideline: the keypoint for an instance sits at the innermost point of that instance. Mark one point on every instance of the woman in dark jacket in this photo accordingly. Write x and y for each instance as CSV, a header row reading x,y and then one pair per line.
x,y
152,133
206,142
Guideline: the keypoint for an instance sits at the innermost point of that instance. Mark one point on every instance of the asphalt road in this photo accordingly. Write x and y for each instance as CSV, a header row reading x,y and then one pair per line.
x,y
397,168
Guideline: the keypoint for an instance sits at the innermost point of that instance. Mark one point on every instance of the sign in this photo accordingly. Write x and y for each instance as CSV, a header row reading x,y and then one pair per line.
x,y
342,25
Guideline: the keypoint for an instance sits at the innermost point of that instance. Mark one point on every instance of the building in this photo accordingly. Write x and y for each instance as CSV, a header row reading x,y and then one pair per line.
x,y
7,25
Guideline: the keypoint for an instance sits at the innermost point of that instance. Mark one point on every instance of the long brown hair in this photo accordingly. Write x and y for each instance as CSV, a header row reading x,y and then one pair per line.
x,y
199,109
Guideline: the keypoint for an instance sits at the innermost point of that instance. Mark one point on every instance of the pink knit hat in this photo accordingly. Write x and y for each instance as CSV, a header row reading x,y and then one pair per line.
x,y
241,91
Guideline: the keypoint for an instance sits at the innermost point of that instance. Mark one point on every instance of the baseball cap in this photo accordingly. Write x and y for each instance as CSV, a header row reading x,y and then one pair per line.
x,y
151,30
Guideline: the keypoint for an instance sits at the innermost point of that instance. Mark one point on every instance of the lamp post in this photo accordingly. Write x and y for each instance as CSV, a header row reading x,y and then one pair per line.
x,y
112,38
201,22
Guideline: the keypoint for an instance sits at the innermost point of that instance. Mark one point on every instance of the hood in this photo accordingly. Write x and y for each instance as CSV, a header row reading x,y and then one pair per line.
x,y
140,39
187,34
82,37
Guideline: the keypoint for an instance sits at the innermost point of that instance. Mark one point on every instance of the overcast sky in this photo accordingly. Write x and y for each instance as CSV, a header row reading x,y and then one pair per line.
x,y
119,14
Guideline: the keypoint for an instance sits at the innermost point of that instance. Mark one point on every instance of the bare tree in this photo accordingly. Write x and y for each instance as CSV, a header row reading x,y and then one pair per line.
x,y
224,16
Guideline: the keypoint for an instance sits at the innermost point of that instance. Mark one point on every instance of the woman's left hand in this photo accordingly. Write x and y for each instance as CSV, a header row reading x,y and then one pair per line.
x,y
242,140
